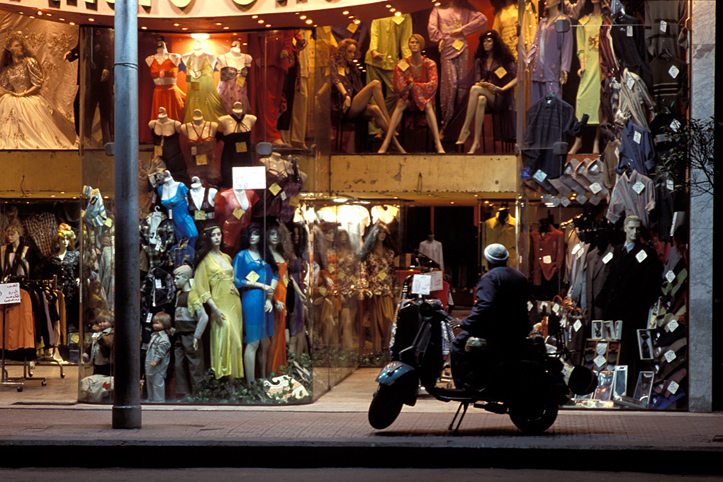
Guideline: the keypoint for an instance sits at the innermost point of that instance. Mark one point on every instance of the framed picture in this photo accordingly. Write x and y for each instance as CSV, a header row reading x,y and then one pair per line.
x,y
604,390
644,388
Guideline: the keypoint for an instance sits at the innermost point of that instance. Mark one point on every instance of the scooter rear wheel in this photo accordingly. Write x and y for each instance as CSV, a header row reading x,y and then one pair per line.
x,y
385,408
534,420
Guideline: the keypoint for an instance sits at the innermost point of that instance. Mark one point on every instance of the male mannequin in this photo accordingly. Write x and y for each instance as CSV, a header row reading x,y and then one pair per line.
x,y
236,137
164,71
433,249
189,330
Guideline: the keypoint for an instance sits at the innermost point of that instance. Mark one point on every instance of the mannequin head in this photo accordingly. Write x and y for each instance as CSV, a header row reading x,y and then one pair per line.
x,y
16,49
552,6
64,239
182,276
346,52
210,239
379,234
416,43
490,43
196,183
343,242
160,44
198,116
235,46
253,238
13,235
162,114
632,228
299,239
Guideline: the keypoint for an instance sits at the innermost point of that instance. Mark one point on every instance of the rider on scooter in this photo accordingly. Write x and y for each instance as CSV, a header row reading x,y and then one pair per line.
x,y
499,318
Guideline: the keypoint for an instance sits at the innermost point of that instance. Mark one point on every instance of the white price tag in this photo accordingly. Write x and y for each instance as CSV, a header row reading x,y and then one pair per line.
x,y
629,31
159,284
595,187
600,361
670,185
547,259
673,387
421,284
638,187
641,256
672,326
577,325
565,201
670,276
607,258
540,176
249,177
673,71
637,137
669,356
663,26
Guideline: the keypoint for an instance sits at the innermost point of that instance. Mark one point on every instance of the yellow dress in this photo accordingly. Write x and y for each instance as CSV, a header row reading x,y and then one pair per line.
x,y
214,281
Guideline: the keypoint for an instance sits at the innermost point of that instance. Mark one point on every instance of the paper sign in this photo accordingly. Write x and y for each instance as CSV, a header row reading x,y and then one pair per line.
x,y
421,284
641,256
249,177
437,283
670,276
458,44
9,293
540,176
403,65
238,213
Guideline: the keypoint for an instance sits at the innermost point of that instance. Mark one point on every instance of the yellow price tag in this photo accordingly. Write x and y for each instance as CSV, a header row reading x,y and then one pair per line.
x,y
238,212
398,20
195,85
240,80
341,275
158,151
403,65
241,147
352,27
275,188
341,71
501,72
199,215
109,222
201,160
322,291
294,201
252,277
458,44
382,275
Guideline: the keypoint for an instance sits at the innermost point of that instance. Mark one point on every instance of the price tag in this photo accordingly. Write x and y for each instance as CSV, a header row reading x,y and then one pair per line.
x,y
241,147
294,201
675,125
193,150
672,326
501,72
638,187
403,65
199,215
274,188
577,325
670,185
9,293
149,317
458,44
108,223
556,308
547,259
382,275
670,276
630,83
201,160
158,151
637,137
252,277
322,291
195,85
629,31
565,201
600,361
674,71
238,212
663,26
641,256
341,275
398,20
595,200
286,279
540,176
240,80
669,356
352,27
341,71
576,248
595,187
159,284
607,258
673,387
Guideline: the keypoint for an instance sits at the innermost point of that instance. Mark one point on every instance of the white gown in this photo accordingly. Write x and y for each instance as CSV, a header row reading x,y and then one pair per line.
x,y
30,122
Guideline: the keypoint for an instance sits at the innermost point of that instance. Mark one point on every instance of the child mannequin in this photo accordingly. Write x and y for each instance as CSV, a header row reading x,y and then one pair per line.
x,y
158,357
102,345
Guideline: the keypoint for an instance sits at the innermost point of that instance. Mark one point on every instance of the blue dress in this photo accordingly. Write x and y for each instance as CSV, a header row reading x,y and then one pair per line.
x,y
177,207
257,323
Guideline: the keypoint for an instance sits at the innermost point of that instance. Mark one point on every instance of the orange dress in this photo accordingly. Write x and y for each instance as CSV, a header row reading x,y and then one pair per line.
x,y
166,93
277,351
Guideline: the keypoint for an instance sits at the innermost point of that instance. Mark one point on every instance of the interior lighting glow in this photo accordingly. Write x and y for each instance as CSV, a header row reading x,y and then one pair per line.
x,y
200,36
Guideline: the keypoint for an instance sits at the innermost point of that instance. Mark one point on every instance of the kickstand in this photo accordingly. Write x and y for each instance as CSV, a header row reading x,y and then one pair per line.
x,y
459,422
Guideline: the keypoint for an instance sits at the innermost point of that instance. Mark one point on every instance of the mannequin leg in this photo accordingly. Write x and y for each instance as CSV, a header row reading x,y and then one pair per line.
x,y
250,360
432,121
393,124
262,355
486,97
474,95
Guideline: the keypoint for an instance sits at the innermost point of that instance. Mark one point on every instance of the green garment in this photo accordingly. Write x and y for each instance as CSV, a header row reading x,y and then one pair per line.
x,y
588,42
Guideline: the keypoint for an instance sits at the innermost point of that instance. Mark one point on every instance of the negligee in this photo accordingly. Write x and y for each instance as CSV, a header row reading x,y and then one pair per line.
x,y
166,93
202,93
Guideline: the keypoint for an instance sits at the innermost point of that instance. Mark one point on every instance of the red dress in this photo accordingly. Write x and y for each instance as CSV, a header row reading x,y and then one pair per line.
x,y
232,217
425,84
277,350
166,93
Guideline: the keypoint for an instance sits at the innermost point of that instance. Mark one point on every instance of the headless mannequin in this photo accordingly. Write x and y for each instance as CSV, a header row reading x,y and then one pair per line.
x,y
237,121
194,60
197,192
198,127
160,56
170,186
416,62
257,351
596,12
164,126
235,58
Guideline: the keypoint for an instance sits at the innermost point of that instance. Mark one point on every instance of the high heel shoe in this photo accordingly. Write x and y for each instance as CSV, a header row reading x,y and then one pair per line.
x,y
463,137
473,148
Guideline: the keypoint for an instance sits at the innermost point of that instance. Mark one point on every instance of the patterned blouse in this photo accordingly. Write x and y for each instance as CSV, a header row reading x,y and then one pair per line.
x,y
424,85
379,272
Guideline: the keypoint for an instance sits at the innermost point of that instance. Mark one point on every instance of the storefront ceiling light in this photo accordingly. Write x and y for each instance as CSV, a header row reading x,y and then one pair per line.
x,y
345,12
254,17
91,20
309,21
397,14
200,36
303,17
260,21
392,9
357,21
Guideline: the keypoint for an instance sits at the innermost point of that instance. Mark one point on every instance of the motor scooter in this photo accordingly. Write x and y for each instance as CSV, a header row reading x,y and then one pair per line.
x,y
530,388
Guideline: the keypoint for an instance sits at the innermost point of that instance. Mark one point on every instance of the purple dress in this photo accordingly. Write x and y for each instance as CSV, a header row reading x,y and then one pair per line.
x,y
550,53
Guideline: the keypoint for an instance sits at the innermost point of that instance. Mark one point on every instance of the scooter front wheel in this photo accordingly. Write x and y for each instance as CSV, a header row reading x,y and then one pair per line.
x,y
385,407
534,419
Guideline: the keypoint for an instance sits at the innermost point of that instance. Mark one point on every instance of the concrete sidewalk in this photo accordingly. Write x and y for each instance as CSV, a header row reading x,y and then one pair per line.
x,y
334,432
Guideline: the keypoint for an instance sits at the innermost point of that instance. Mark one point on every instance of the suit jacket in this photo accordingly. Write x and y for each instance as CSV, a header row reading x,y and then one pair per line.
x,y
547,254
595,276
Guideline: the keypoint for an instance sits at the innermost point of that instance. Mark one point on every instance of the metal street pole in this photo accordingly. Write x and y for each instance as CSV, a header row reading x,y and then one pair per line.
x,y
127,392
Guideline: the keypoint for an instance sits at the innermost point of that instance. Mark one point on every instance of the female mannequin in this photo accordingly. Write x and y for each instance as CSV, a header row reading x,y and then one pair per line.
x,y
279,243
232,87
213,288
505,23
550,55
377,258
415,81
349,286
201,135
256,275
495,75
174,197
450,24
167,143
65,263
298,270
13,254
202,94
236,136
164,71
588,94
351,99
201,201
233,212
27,119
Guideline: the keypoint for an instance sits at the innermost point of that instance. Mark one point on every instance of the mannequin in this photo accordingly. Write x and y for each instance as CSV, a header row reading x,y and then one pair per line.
x,y
433,249
213,288
164,71
450,24
505,23
167,143
256,275
232,86
298,271
189,326
279,243
236,136
13,254
501,229
495,76
550,55
415,81
588,94
201,202
350,287
174,197
202,94
327,303
377,258
201,135
65,264
233,212
388,44
547,257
